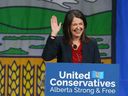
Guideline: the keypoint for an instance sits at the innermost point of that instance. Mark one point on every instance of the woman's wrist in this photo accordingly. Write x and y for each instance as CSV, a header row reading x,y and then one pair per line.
x,y
52,37
54,34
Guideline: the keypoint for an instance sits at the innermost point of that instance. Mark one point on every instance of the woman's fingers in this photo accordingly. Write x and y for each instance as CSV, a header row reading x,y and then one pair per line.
x,y
54,25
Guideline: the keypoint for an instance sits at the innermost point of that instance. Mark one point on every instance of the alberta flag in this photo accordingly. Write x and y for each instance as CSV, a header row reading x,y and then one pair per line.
x,y
97,75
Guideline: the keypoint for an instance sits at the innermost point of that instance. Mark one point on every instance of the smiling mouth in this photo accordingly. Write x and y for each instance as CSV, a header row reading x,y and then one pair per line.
x,y
78,30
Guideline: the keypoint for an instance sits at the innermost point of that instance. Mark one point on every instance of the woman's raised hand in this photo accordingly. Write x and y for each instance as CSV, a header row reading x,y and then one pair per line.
x,y
54,26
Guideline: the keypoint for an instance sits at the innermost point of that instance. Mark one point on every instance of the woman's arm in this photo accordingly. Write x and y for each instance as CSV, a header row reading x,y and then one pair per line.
x,y
50,50
97,58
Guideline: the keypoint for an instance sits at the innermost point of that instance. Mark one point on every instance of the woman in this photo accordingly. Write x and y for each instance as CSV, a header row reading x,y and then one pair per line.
x,y
74,46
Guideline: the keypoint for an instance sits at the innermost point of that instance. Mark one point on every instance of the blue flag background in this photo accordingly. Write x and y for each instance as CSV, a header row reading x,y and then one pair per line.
x,y
122,44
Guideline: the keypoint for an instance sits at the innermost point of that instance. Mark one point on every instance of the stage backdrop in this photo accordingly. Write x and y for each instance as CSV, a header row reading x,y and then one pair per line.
x,y
24,28
122,44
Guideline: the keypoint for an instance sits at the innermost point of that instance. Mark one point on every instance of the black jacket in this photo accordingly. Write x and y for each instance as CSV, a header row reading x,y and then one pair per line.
x,y
63,52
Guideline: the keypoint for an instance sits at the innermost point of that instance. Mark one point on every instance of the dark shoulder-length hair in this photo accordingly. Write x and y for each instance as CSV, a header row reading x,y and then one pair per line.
x,y
67,24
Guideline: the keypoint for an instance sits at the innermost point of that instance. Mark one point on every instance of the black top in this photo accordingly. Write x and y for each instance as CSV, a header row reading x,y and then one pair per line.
x,y
56,48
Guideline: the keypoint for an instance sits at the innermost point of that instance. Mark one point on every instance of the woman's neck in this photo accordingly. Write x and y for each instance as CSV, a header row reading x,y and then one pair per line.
x,y
76,42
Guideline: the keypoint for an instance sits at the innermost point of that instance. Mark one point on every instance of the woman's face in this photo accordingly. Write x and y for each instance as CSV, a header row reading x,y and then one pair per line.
x,y
77,27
